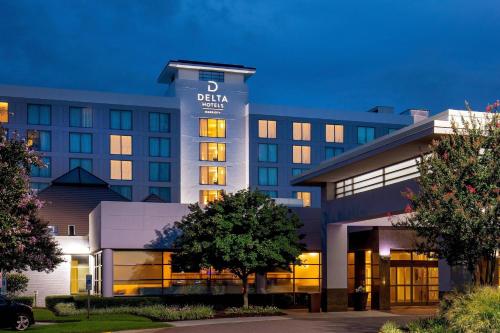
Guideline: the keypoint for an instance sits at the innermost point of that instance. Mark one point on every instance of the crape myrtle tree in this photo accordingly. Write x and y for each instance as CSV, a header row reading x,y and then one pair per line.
x,y
25,240
456,209
244,232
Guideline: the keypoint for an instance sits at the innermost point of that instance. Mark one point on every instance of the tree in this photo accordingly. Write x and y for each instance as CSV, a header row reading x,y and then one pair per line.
x,y
456,210
244,233
25,240
16,283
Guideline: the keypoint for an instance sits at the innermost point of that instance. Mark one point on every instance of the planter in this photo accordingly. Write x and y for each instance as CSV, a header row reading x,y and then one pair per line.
x,y
359,301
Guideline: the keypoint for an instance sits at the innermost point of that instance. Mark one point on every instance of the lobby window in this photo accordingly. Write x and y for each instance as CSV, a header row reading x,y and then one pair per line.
x,y
120,144
334,133
39,114
44,171
80,143
159,147
79,269
4,112
304,196
211,76
302,131
39,140
159,172
121,170
37,186
301,154
298,171
162,192
213,128
159,122
331,152
212,151
268,152
124,190
211,175
207,196
268,176
267,129
271,194
80,117
84,163
120,119
365,134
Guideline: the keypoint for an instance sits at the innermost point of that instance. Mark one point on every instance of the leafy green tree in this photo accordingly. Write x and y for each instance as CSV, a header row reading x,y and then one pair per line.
x,y
16,283
245,233
25,240
456,209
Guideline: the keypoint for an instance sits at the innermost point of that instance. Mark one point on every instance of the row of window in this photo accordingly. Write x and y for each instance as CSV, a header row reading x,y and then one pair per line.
x,y
302,132
207,196
41,114
268,152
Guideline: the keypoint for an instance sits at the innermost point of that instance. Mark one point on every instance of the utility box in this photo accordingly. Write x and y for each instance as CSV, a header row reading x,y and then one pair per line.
x,y
315,302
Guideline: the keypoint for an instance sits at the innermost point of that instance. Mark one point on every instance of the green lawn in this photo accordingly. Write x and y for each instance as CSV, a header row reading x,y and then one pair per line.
x,y
96,323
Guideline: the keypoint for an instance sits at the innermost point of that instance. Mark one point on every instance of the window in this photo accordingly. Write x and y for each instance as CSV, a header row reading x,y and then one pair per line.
x,y
211,175
121,119
79,269
121,170
267,129
390,130
268,152
334,133
38,114
211,76
162,192
213,128
302,131
268,176
298,171
84,163
365,134
159,172
52,230
80,117
212,151
44,171
302,154
80,143
159,122
4,112
331,152
271,194
304,196
39,140
159,147
71,230
36,186
120,144
124,190
207,196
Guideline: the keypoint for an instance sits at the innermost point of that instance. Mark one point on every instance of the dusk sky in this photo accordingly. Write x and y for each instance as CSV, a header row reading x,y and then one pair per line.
x,y
344,55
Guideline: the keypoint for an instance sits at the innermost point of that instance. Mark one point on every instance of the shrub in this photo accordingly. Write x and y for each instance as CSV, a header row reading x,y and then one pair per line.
x,y
51,301
390,327
28,300
253,310
67,309
428,325
16,283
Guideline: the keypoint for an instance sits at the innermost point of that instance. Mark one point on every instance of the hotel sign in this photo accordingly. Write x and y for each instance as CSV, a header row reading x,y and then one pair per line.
x,y
211,102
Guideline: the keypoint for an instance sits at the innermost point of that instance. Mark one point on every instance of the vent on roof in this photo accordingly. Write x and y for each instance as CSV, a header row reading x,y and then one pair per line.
x,y
416,114
382,109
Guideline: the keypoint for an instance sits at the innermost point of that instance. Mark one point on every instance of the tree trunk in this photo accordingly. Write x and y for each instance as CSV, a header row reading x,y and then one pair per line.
x,y
245,291
484,273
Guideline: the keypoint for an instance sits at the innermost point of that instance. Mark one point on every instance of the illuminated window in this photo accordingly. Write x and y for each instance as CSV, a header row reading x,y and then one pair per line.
x,y
304,196
120,144
39,140
84,163
159,147
4,112
211,175
302,131
331,152
334,133
213,128
268,176
305,277
123,190
211,76
302,154
159,171
121,170
159,122
120,119
212,151
268,152
80,117
365,134
162,192
267,129
80,143
39,114
207,196
79,269
44,171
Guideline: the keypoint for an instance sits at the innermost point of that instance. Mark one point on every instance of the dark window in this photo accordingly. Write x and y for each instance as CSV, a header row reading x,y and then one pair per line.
x,y
331,152
159,172
125,191
268,176
211,76
159,122
298,171
159,147
162,192
80,143
365,134
39,140
121,119
39,114
80,117
42,171
71,230
84,163
268,152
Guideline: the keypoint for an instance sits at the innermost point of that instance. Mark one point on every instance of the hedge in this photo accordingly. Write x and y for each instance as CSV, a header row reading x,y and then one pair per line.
x,y
28,300
217,301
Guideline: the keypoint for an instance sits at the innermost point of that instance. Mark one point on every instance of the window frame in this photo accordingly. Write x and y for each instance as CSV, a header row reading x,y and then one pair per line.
x,y
207,75
168,178
207,144
267,126
159,115
160,139
302,131
335,128
120,111
80,135
365,129
122,162
206,168
39,114
267,170
267,159
217,120
80,115
301,154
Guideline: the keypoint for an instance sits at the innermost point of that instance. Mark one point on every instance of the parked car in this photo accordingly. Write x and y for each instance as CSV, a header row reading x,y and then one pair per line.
x,y
15,315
